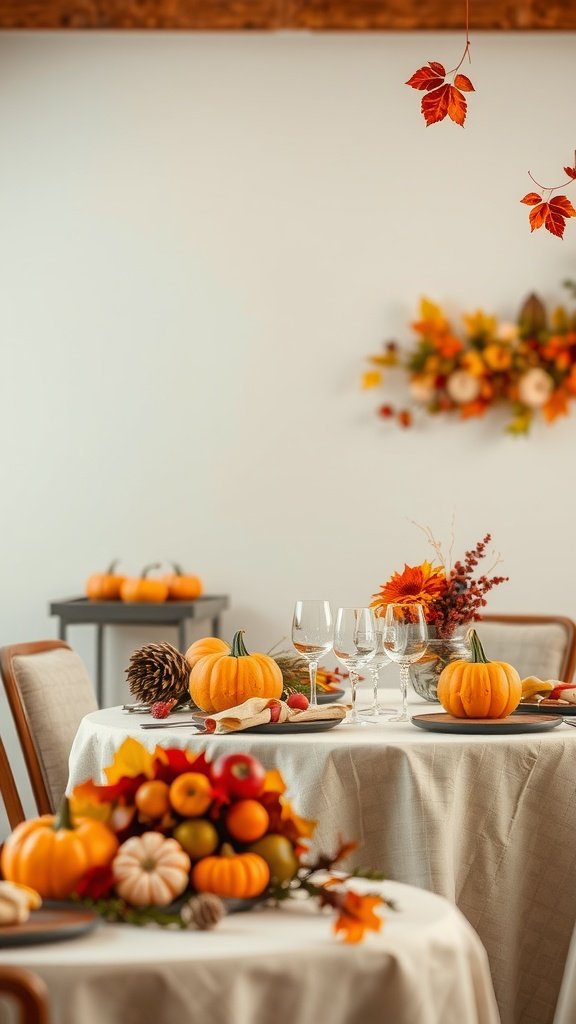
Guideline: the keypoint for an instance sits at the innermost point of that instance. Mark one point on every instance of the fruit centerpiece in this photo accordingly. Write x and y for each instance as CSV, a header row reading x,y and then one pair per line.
x,y
172,837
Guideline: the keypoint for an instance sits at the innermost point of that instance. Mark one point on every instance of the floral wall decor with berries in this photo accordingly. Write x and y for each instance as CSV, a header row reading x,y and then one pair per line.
x,y
527,367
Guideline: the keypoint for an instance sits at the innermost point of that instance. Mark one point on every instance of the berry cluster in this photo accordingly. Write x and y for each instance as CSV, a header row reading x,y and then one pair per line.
x,y
464,596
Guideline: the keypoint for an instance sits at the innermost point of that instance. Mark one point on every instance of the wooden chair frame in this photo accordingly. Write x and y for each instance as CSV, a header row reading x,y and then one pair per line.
x,y
9,791
21,721
29,991
569,660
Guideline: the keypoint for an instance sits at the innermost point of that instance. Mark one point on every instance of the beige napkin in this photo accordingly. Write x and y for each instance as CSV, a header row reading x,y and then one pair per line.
x,y
257,711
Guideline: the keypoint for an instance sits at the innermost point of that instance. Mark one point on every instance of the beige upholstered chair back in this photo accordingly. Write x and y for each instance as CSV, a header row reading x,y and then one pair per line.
x,y
49,692
536,645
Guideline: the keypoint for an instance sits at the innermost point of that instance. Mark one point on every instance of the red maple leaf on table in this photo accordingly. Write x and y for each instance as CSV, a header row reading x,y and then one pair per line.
x,y
441,98
552,212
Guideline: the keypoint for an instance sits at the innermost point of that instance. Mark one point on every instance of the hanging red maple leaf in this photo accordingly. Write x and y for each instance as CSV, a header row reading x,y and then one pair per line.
x,y
443,98
553,211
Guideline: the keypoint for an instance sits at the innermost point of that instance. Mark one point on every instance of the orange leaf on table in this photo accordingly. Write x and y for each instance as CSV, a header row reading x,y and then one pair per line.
x,y
357,916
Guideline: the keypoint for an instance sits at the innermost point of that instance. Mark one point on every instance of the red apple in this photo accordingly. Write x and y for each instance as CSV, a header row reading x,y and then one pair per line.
x,y
298,701
241,775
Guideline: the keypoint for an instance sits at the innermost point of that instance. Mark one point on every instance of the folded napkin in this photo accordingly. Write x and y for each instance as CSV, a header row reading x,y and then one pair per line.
x,y
258,711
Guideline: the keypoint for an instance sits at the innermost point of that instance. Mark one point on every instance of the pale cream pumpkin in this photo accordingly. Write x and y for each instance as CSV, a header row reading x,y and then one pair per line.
x,y
151,870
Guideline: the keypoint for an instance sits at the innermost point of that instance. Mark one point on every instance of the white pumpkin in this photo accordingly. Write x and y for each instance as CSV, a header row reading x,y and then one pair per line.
x,y
151,870
16,902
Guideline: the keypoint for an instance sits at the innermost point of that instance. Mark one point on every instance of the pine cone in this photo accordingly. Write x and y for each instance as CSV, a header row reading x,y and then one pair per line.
x,y
203,911
158,672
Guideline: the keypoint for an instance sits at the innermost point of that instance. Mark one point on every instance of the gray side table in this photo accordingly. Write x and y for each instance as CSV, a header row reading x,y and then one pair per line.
x,y
76,611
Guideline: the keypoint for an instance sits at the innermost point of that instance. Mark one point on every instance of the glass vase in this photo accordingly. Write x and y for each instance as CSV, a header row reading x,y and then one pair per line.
x,y
424,674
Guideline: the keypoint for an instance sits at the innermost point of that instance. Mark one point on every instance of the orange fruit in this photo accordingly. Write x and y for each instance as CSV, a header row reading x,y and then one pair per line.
x,y
197,836
247,820
191,794
152,798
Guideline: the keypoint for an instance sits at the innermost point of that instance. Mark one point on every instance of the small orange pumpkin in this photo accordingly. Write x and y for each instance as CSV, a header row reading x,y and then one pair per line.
x,y
479,688
104,586
51,855
226,678
239,875
144,590
182,586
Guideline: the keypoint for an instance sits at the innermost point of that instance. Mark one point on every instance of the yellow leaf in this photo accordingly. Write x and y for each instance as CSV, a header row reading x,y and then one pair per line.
x,y
386,359
273,782
130,759
304,826
371,379
479,323
560,320
431,312
80,808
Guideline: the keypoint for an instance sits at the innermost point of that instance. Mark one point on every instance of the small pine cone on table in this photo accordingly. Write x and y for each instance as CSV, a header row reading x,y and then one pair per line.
x,y
158,672
203,911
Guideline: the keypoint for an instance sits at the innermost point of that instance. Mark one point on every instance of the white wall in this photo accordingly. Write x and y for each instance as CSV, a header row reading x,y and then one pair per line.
x,y
201,237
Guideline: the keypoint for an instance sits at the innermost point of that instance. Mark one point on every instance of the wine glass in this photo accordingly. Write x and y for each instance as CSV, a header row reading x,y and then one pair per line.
x,y
355,643
379,662
405,639
312,636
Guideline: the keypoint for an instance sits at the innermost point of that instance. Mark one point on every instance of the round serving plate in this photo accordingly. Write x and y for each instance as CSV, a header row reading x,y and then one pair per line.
x,y
487,726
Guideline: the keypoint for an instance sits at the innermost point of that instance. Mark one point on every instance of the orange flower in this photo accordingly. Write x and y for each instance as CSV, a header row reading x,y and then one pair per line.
x,y
418,584
448,346
357,916
497,357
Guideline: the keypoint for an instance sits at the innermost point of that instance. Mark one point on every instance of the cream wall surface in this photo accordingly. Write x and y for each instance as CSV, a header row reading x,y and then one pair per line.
x,y
201,238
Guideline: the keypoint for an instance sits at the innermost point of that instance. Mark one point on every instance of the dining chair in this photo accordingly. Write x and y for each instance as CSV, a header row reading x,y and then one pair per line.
x,y
537,645
9,790
28,991
49,691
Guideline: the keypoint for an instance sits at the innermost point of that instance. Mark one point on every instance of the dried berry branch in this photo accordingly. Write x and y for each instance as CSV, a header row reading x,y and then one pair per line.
x,y
549,210
443,98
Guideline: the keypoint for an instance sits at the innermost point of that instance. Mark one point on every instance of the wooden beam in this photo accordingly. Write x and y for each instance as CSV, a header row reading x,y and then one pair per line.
x,y
269,15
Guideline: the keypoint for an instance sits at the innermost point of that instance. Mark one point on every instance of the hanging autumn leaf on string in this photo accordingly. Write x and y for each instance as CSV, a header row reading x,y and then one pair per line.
x,y
443,98
553,211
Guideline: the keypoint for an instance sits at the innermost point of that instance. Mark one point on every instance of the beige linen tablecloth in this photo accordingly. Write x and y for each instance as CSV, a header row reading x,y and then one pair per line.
x,y
274,967
488,822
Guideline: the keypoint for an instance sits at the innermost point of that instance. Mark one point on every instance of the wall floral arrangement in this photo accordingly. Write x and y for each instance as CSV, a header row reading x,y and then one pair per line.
x,y
528,366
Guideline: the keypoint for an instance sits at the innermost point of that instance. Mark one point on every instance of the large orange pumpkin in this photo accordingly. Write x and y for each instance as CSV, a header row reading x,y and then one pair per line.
x,y
207,645
479,688
104,586
182,586
240,875
144,590
221,680
51,855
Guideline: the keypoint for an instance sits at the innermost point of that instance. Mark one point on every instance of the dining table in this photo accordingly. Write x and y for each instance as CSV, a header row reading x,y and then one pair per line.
x,y
487,821
426,966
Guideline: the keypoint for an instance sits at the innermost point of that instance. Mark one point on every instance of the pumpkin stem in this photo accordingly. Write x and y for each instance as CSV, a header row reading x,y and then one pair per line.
x,y
177,568
478,656
64,818
227,851
238,646
111,567
147,568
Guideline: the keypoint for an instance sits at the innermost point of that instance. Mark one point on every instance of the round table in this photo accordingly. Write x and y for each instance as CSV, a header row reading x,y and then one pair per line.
x,y
488,822
426,966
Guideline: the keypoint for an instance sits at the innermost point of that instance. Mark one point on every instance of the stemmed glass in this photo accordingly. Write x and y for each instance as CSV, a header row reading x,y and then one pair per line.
x,y
355,644
379,662
312,636
405,639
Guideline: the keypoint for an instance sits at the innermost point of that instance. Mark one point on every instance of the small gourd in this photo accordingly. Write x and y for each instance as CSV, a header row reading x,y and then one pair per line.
x,y
151,870
144,589
232,875
227,677
51,854
105,586
479,688
182,586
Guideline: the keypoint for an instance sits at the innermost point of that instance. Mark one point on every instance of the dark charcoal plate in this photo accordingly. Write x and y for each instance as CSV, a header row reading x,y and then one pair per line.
x,y
49,925
285,727
329,698
547,709
487,726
